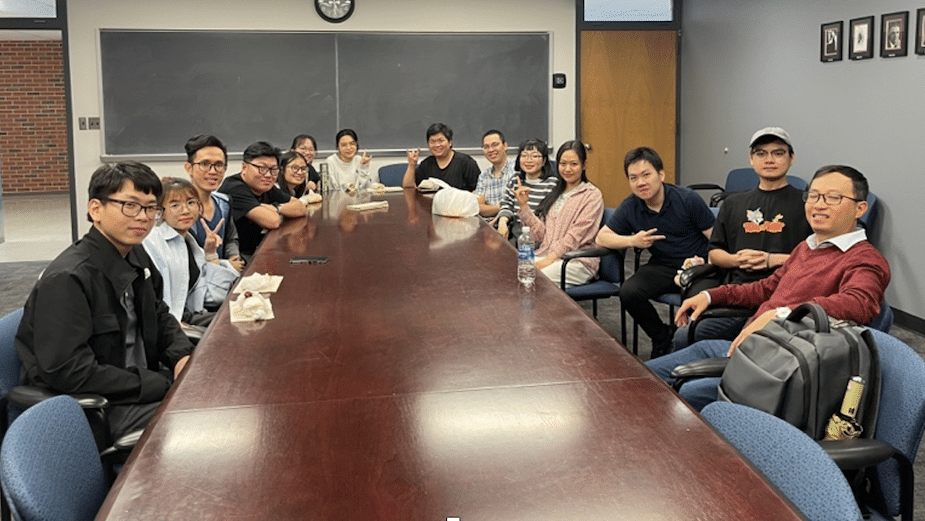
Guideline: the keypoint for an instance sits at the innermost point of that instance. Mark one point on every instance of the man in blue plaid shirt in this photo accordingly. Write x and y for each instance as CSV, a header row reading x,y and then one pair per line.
x,y
493,180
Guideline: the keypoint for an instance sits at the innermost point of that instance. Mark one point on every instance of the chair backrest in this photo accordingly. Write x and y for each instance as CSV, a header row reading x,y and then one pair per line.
x,y
869,219
9,363
391,175
612,264
797,182
901,418
741,179
9,360
49,465
790,459
884,320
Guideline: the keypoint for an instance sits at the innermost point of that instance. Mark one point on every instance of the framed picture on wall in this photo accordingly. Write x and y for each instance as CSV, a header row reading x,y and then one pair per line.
x,y
830,49
920,31
893,34
861,33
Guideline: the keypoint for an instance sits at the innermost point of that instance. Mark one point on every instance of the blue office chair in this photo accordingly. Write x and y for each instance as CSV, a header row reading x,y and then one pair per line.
x,y
790,459
391,175
9,378
797,182
17,398
900,424
738,180
49,465
9,365
869,219
610,276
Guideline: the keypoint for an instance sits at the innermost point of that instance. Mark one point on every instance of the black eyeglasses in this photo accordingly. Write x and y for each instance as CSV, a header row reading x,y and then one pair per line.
x,y
829,199
264,170
132,209
205,166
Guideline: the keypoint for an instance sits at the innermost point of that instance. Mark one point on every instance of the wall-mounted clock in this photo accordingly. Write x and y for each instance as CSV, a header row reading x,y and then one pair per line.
x,y
335,11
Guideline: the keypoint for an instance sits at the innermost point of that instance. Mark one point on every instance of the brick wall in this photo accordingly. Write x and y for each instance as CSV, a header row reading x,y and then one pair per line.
x,y
33,122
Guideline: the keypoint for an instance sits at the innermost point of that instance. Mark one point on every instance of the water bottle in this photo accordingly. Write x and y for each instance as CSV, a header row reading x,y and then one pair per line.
x,y
326,187
526,269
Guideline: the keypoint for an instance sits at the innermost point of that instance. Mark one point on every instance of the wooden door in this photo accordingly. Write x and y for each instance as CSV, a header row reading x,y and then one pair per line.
x,y
628,85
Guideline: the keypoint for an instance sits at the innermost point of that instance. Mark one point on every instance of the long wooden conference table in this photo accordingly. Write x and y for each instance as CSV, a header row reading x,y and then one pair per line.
x,y
411,379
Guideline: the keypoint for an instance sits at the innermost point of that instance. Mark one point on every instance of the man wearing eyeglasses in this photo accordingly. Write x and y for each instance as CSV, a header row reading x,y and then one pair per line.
x,y
755,230
206,162
257,204
835,267
493,180
95,322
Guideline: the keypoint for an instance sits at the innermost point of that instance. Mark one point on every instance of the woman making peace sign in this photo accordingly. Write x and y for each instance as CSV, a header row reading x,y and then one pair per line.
x,y
194,278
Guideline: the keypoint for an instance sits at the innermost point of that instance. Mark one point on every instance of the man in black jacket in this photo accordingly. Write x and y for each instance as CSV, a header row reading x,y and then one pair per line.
x,y
95,322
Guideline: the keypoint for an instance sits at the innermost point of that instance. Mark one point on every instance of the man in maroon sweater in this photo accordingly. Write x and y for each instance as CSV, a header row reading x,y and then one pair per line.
x,y
834,267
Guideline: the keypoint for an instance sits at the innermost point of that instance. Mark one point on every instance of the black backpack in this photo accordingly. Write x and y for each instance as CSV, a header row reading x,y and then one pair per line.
x,y
798,369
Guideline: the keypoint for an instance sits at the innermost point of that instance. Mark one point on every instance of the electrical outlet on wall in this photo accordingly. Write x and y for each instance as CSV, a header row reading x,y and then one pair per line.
x,y
82,123
93,123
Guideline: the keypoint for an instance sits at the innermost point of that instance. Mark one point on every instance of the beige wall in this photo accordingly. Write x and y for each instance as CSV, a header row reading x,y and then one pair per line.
x,y
86,17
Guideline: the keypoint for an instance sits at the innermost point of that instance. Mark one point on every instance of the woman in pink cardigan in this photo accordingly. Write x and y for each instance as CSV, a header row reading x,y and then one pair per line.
x,y
567,219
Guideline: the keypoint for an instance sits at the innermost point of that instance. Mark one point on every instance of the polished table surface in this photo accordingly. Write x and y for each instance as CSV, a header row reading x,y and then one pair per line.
x,y
411,378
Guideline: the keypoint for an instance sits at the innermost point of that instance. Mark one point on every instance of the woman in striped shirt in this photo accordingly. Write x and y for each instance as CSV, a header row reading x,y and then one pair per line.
x,y
533,170
567,218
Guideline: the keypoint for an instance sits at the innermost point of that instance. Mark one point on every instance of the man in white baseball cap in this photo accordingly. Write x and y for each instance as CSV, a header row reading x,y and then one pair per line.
x,y
755,231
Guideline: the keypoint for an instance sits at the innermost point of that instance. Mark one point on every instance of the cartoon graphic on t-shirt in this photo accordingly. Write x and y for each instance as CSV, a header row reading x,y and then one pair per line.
x,y
757,224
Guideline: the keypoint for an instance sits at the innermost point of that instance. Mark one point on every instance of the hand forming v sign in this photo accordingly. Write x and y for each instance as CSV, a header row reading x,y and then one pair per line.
x,y
522,193
213,239
365,159
413,156
646,238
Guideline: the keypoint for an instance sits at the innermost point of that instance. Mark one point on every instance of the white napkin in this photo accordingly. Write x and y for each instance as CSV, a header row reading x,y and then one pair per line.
x,y
259,283
249,307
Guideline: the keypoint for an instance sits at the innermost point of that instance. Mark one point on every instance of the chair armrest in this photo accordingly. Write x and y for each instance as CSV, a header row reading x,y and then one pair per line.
x,y
715,313
25,396
124,444
709,367
596,251
705,186
862,453
857,453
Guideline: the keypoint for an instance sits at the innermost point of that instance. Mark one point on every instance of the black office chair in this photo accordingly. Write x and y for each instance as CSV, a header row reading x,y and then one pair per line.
x,y
609,277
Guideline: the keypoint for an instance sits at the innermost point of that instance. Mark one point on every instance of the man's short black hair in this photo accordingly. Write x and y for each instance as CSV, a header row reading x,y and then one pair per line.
x,y
201,141
858,181
108,179
261,149
490,132
642,154
439,128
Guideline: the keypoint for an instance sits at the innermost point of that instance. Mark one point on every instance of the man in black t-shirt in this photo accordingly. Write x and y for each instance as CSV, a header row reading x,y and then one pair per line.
x,y
257,204
756,230
457,169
